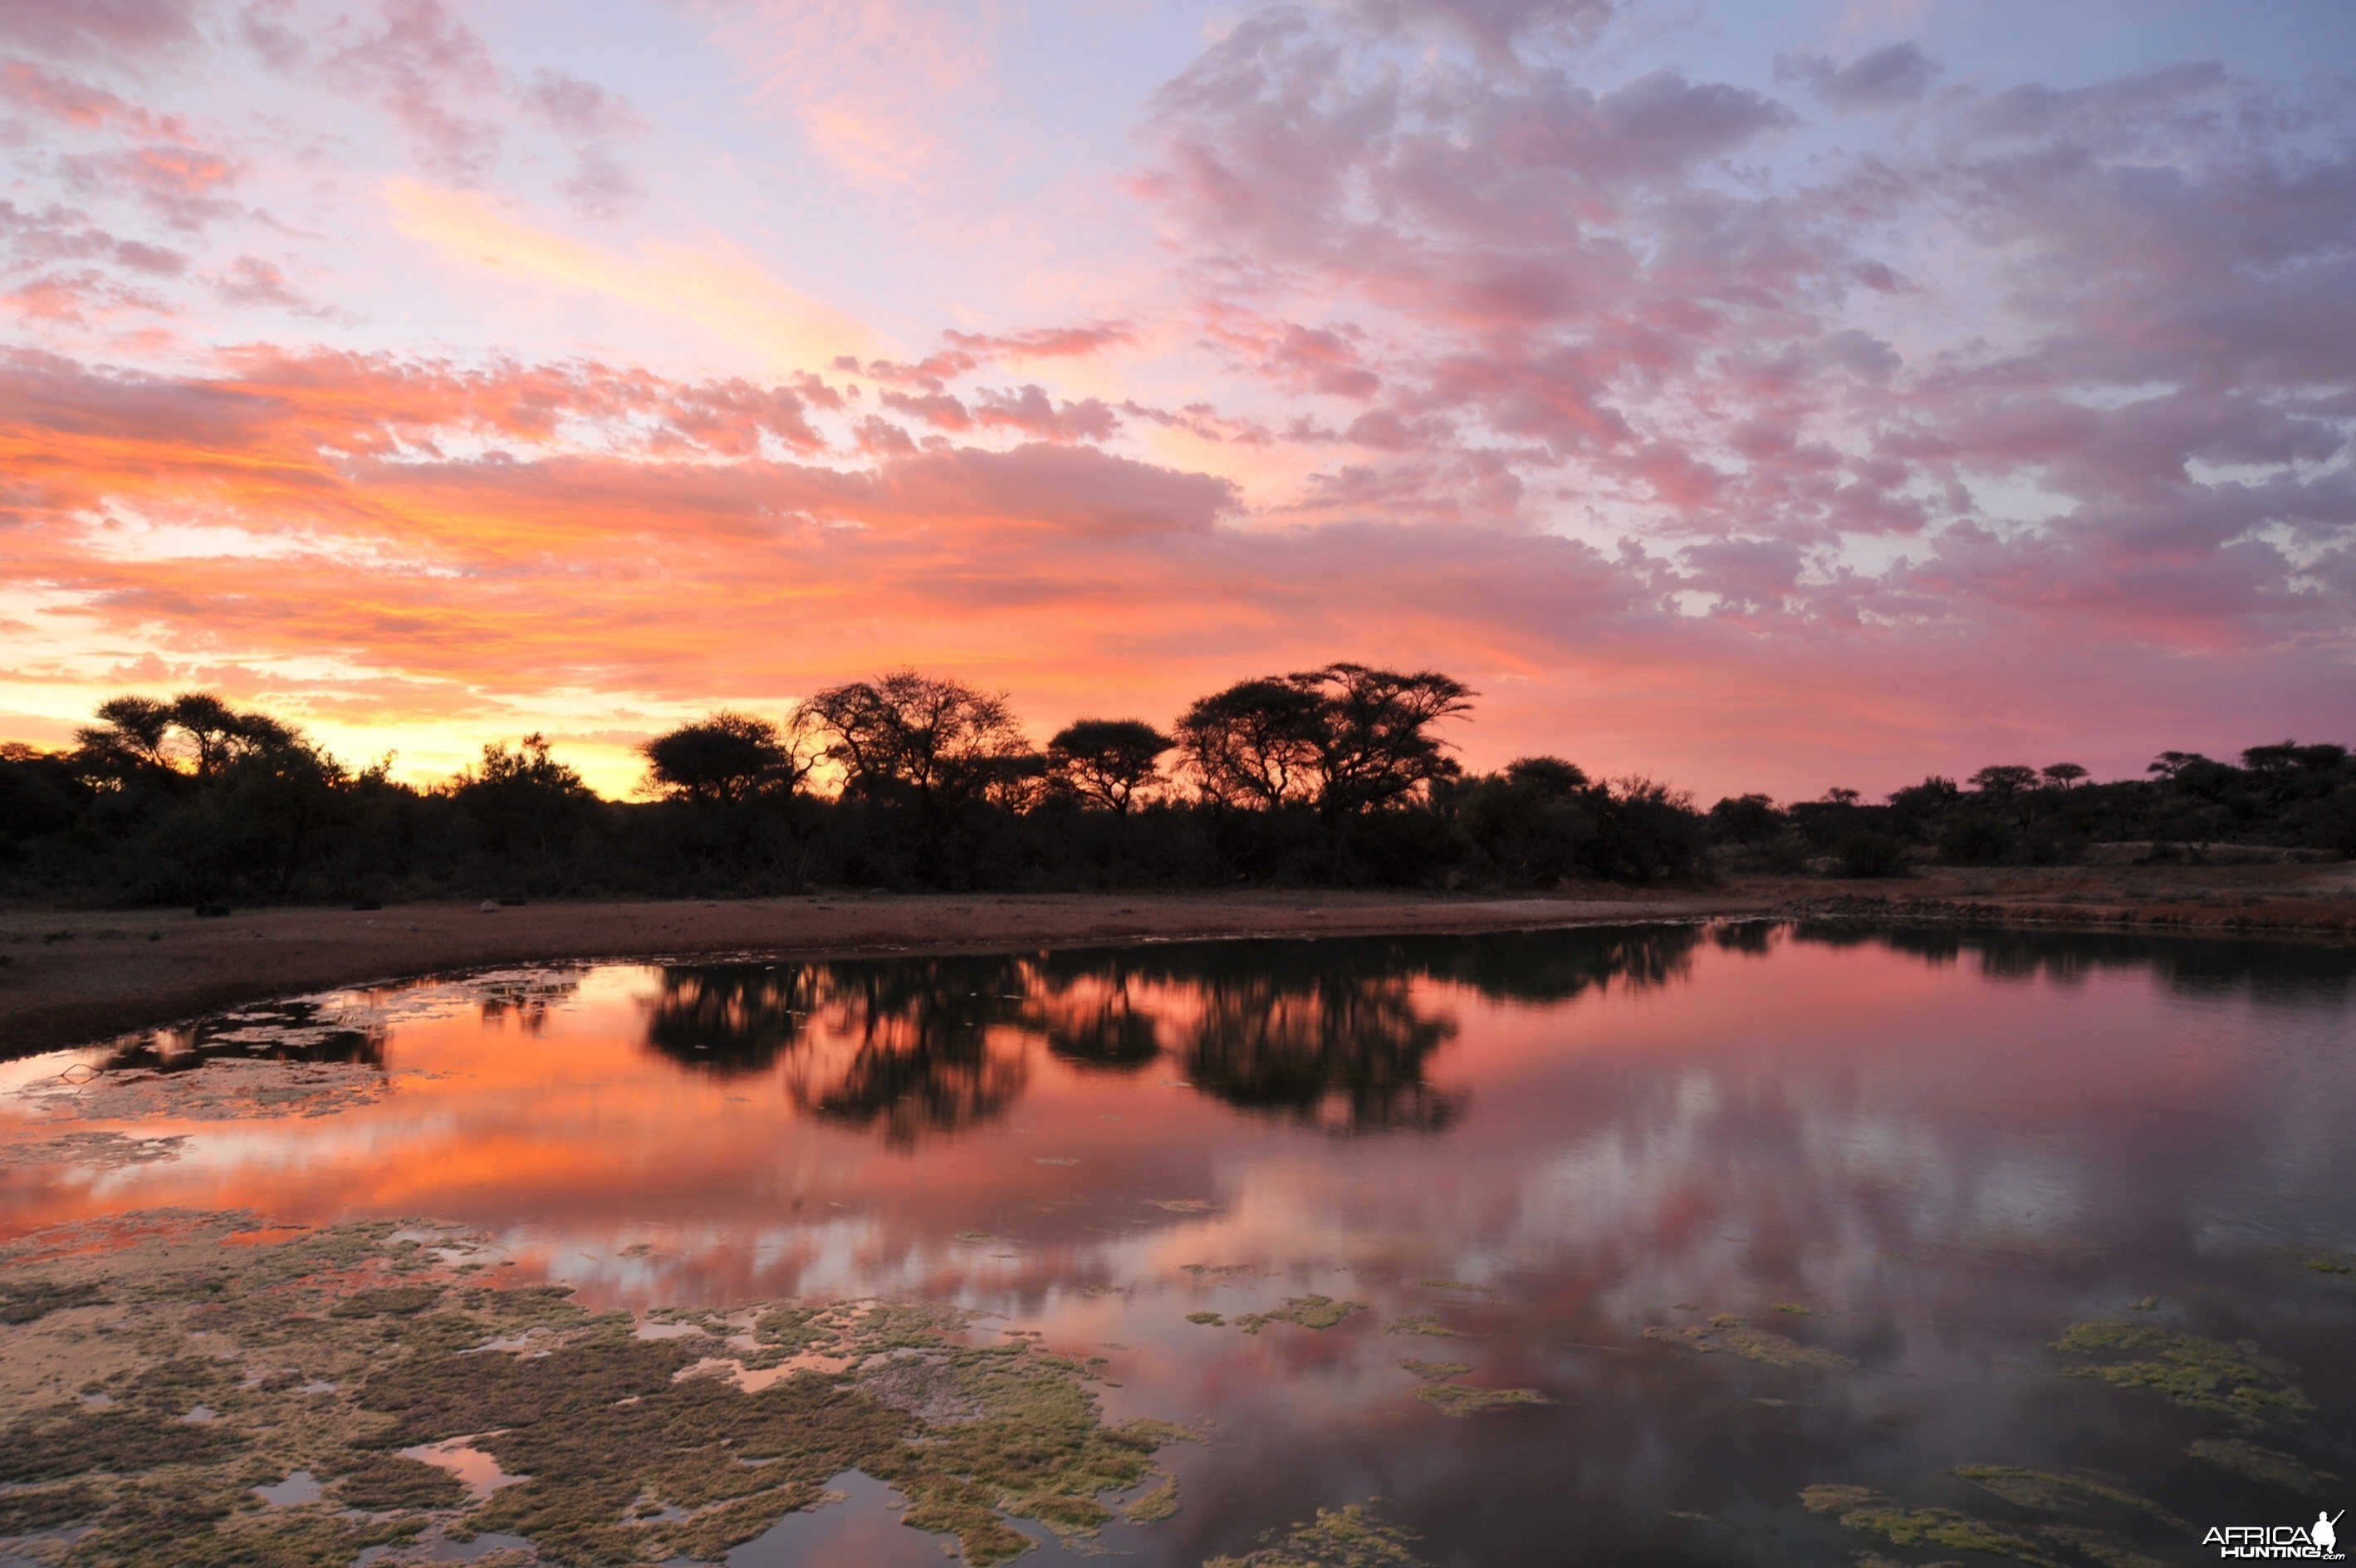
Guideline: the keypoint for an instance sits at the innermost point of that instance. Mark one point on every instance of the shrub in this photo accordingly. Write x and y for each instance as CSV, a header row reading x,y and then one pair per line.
x,y
1868,853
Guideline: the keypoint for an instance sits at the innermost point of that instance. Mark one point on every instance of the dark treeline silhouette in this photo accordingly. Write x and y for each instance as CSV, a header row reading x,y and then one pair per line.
x,y
1338,776
2277,973
2284,795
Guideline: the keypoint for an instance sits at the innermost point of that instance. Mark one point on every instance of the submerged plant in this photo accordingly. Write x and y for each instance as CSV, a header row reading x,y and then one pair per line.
x,y
1729,1334
1308,1311
1434,1371
2201,1374
1458,1398
1863,1508
1350,1537
2056,1491
2267,1466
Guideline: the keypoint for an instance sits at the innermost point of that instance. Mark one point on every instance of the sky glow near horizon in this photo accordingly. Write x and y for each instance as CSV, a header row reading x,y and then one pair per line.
x,y
1753,397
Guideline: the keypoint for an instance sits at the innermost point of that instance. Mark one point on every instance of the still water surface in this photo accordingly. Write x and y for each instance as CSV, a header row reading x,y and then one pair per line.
x,y
1928,1153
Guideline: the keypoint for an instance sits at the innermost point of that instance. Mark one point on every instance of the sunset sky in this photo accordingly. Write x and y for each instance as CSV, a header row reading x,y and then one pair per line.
x,y
1753,395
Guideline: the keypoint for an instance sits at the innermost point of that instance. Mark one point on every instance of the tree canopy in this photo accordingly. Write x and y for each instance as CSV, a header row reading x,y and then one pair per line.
x,y
1346,739
913,739
723,759
1107,761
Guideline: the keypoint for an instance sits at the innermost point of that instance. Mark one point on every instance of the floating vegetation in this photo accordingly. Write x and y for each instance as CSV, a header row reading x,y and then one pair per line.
x,y
1308,1311
1863,1508
1457,1285
222,1088
1425,1323
2148,1304
1795,1309
2334,1263
1460,1399
1729,1334
2102,1548
1350,1537
1208,1319
1155,1506
2267,1466
102,1151
2238,1380
29,1301
339,1353
2056,1491
1435,1371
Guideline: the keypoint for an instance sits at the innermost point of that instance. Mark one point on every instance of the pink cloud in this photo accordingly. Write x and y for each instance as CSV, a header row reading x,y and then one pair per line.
x,y
425,65
97,29
179,183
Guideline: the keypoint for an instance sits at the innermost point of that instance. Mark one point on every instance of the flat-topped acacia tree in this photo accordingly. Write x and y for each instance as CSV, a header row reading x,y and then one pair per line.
x,y
1346,739
1107,761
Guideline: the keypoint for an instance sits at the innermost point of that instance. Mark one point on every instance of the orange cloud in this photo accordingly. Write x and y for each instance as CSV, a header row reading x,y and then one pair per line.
x,y
713,285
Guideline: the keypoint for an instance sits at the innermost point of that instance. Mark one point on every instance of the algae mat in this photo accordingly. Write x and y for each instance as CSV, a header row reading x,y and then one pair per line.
x,y
170,1370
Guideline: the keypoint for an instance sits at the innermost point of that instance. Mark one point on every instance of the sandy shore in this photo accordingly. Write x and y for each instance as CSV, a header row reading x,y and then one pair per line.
x,y
73,976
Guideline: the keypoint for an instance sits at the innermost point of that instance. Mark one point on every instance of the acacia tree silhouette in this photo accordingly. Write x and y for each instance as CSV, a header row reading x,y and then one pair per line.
x,y
1346,739
1107,760
195,728
917,740
724,759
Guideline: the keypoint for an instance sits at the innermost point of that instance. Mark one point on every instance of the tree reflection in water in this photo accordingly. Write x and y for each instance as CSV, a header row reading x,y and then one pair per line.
x,y
1345,1051
525,995
917,1046
1338,1034
730,1017
1087,1008
302,1031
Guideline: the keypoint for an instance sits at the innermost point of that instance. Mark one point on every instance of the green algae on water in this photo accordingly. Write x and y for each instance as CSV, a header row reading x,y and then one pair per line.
x,y
1206,1319
1308,1311
1423,1323
1729,1334
1434,1371
2057,1491
1352,1536
1865,1509
332,1351
1461,1400
1155,1506
2199,1374
2267,1466
29,1301
2334,1263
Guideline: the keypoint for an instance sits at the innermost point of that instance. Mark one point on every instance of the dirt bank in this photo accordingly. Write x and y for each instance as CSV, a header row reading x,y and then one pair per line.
x,y
76,976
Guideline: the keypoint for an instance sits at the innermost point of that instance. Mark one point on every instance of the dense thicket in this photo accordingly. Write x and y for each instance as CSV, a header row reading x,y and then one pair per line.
x,y
1338,776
